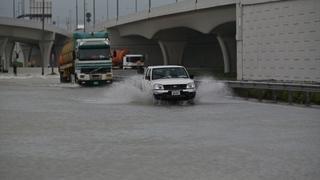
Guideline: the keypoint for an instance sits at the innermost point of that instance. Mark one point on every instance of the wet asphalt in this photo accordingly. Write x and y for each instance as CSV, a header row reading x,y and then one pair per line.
x,y
51,131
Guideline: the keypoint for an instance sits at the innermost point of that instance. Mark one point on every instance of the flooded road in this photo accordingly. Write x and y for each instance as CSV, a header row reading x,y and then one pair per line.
x,y
56,131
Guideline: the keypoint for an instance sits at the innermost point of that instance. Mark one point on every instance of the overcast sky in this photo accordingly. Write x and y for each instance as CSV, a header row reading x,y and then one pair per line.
x,y
62,9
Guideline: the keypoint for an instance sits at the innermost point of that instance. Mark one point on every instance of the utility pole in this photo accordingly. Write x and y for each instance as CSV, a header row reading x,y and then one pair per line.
x,y
58,21
14,9
42,68
84,15
136,6
117,9
23,7
94,15
107,9
77,14
70,20
149,5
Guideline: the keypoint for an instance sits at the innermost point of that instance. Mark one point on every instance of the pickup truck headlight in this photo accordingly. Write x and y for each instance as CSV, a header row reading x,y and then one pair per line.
x,y
191,85
158,87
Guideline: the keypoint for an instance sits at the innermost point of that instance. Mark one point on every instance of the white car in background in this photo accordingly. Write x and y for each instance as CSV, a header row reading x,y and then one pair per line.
x,y
133,61
169,83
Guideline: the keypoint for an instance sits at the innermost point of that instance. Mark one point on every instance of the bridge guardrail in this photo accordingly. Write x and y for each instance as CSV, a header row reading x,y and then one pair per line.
x,y
276,86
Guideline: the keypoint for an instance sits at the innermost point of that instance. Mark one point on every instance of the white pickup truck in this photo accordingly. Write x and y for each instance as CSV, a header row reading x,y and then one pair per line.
x,y
169,83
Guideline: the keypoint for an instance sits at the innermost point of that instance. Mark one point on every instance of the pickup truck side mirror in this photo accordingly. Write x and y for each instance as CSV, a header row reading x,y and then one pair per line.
x,y
191,76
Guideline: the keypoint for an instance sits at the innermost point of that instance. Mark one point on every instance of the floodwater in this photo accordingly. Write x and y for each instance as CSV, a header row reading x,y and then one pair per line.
x,y
50,130
129,90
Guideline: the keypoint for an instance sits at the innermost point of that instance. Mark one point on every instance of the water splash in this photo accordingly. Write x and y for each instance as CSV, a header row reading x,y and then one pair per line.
x,y
127,91
211,90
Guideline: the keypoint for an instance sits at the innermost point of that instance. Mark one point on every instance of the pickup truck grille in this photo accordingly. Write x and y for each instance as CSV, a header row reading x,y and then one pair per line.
x,y
175,86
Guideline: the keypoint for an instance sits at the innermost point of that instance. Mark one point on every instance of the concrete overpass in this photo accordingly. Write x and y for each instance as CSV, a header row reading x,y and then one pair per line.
x,y
29,32
254,39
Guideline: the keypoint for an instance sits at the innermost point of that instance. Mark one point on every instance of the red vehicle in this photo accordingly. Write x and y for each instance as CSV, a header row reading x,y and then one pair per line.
x,y
117,57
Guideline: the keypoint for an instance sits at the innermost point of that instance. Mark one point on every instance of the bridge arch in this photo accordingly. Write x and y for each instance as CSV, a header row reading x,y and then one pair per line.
x,y
177,36
225,34
195,49
29,32
196,20
136,44
173,41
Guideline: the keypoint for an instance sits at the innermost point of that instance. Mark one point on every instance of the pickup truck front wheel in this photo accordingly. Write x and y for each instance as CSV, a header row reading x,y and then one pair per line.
x,y
156,101
190,101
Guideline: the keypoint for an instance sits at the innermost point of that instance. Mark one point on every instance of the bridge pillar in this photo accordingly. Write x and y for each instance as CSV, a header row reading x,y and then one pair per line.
x,y
6,49
226,58
45,49
3,44
26,50
57,51
172,51
9,52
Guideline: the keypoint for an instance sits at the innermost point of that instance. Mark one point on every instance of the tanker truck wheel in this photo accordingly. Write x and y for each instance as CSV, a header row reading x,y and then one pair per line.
x,y
75,78
68,78
62,79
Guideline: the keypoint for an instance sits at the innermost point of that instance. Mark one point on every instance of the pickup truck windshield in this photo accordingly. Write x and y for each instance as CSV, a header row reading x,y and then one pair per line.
x,y
167,73
93,54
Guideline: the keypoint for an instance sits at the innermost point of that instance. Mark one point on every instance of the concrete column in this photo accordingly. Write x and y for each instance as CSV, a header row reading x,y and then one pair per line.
x,y
6,52
164,53
3,44
231,45
226,59
239,21
45,49
172,51
57,51
9,52
26,50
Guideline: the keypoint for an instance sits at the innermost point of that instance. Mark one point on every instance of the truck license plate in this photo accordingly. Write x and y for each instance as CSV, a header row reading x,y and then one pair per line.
x,y
175,93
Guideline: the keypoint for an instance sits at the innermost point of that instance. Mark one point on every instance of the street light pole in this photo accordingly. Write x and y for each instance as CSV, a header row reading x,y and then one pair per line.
x,y
136,6
94,15
23,7
77,14
84,15
14,9
107,9
42,68
117,9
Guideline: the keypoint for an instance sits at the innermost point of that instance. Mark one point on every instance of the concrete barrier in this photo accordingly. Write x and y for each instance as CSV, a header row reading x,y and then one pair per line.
x,y
32,70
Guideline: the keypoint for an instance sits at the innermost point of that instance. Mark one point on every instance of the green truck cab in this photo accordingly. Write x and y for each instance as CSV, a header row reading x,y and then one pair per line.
x,y
87,58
